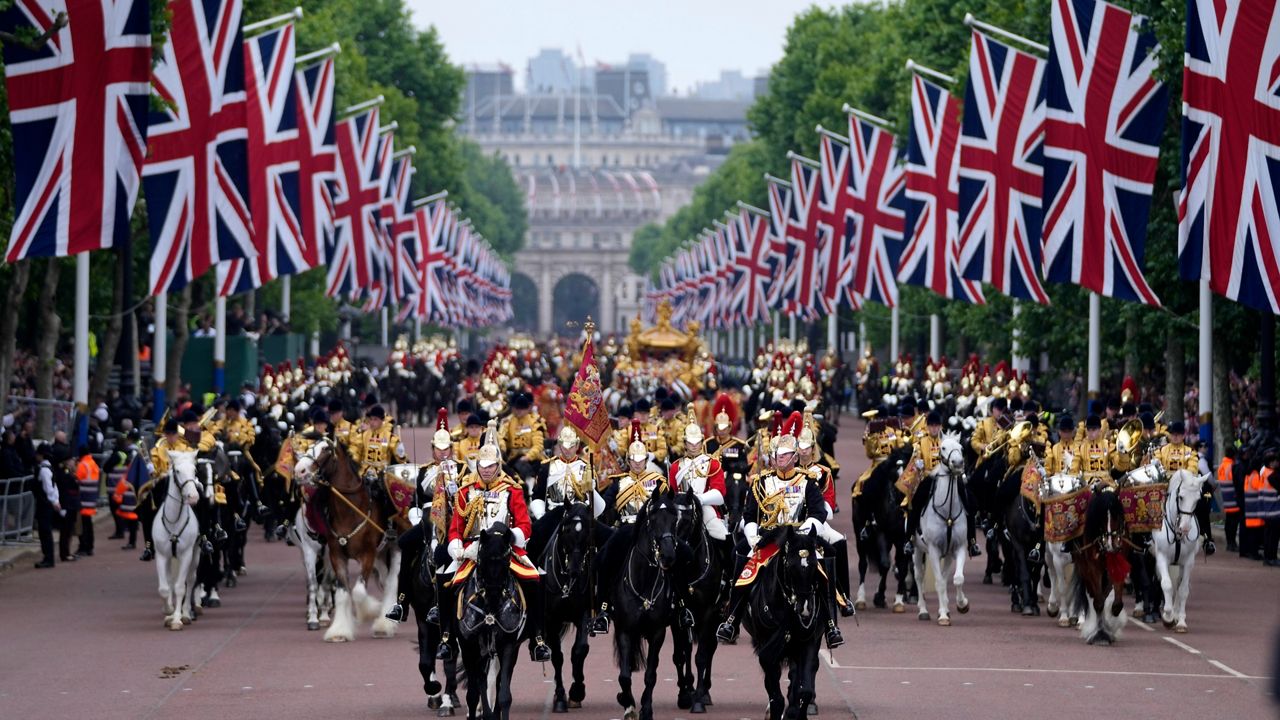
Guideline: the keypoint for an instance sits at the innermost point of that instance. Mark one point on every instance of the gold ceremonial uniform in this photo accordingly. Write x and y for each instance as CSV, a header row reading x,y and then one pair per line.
x,y
373,450
1093,459
343,430
1178,457
522,437
238,432
160,454
878,446
928,448
466,448
655,441
985,434
672,430
633,489
1055,457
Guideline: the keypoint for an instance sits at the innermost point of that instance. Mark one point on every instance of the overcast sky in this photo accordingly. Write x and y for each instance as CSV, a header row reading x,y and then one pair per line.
x,y
695,38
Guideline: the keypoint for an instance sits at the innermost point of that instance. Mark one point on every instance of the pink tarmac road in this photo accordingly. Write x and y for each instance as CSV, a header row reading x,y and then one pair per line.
x,y
85,640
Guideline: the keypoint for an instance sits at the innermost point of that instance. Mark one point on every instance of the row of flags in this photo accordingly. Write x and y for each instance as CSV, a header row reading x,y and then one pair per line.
x,y
1045,173
246,167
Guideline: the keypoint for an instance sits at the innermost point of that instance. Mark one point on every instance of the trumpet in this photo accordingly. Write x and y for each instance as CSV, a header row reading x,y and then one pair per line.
x,y
1017,434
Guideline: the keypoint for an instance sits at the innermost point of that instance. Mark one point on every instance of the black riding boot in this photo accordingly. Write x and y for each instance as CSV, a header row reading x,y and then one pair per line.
x,y
834,637
971,521
445,599
538,649
841,578
1206,530
727,632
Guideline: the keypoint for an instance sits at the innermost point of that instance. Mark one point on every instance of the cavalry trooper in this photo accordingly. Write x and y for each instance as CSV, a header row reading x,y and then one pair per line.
x,y
1092,456
561,481
781,496
521,437
698,471
491,497
438,485
926,456
654,440
625,495
671,425
339,425
879,440
1058,458
988,429
823,476
378,445
1177,455
195,437
235,432
731,452
467,447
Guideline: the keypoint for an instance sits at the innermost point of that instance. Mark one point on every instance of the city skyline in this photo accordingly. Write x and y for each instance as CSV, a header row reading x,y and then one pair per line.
x,y
696,42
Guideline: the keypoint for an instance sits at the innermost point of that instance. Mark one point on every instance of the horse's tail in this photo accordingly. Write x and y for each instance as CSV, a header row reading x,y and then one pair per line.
x,y
1077,598
636,657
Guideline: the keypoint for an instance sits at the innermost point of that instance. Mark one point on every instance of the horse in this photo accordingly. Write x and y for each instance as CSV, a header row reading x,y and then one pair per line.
x,y
786,618
567,589
1058,559
1101,567
985,477
174,532
644,600
320,578
422,598
356,532
880,522
492,611
213,471
943,531
707,581
241,490
1176,543
1021,537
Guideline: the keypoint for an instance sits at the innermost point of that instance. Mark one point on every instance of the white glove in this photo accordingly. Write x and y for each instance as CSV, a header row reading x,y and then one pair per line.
x,y
919,464
810,524
711,497
455,549
752,531
415,515
517,535
471,552
537,509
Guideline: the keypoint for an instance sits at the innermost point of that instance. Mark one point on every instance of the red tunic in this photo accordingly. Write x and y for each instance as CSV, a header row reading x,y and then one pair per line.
x,y
517,513
715,478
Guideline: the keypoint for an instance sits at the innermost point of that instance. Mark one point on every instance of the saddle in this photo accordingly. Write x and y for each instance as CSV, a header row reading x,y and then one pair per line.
x,y
473,616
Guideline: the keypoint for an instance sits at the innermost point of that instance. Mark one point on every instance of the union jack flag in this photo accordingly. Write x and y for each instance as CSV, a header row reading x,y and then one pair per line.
x,y
379,255
1102,141
357,193
836,224
275,148
1228,221
802,282
755,268
197,174
317,168
932,255
398,229
780,252
1002,169
876,190
429,221
77,106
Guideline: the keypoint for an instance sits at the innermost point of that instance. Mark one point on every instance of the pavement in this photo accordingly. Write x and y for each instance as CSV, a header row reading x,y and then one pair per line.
x,y
87,639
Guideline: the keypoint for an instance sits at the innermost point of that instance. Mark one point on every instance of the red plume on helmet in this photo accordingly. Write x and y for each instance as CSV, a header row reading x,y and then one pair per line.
x,y
794,424
775,426
637,431
725,404
442,419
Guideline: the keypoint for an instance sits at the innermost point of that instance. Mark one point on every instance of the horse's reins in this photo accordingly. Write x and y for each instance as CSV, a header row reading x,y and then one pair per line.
x,y
342,495
1172,534
182,510
659,580
948,518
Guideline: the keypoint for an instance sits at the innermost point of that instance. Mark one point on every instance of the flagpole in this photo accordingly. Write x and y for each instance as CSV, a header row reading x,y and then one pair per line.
x,y
893,333
1094,376
80,383
286,288
1206,363
777,327
384,326
833,329
159,355
973,22
219,344
862,336
791,328
1015,346
935,337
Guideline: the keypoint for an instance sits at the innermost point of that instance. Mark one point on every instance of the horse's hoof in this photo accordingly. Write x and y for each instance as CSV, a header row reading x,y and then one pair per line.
x,y
944,621
684,700
313,625
962,609
231,581
559,706
1075,621
433,703
1064,621
445,712
1168,624
575,704
631,714
813,709
923,616
1052,610
1015,608
698,708
986,579
187,621
1181,629
174,626
860,605
577,693
212,603
338,639
899,608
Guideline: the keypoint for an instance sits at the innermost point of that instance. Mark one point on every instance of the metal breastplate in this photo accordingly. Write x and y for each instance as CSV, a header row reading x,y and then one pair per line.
x,y
495,508
783,501
693,473
450,471
562,478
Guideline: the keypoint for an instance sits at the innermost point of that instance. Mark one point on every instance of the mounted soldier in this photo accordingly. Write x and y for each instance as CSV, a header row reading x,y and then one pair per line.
x,y
521,438
562,480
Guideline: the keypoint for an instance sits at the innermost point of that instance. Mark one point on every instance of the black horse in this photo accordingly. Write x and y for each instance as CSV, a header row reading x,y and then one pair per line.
x,y
705,573
568,586
985,477
492,615
643,599
423,598
880,521
1021,532
786,618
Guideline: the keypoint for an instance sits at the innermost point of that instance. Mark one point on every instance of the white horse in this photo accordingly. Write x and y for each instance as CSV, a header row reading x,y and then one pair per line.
x,y
174,532
943,532
1059,558
1176,543
319,576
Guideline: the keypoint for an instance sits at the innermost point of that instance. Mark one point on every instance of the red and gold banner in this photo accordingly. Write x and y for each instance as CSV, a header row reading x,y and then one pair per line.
x,y
585,408
1143,507
1064,516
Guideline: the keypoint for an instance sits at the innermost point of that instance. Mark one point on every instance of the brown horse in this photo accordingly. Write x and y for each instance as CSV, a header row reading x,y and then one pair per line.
x,y
1101,567
357,531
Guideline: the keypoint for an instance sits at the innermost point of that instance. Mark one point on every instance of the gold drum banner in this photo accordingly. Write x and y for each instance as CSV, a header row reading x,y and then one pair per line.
x,y
402,483
1064,516
1143,506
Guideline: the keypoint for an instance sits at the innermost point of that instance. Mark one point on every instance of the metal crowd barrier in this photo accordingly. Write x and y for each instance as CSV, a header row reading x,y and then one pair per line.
x,y
17,510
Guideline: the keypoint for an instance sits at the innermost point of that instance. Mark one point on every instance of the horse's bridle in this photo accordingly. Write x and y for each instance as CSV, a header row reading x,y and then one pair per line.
x,y
660,584
1172,532
183,510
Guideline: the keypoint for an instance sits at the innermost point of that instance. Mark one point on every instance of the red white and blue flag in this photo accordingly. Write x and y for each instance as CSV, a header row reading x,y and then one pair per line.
x,y
357,194
780,252
836,223
429,221
931,258
196,174
1002,169
876,190
1105,115
398,229
78,110
318,166
1229,211
275,150
755,270
802,282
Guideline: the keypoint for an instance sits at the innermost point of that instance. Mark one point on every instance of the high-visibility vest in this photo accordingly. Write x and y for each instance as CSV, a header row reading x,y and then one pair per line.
x,y
1268,498
88,476
1229,504
126,500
